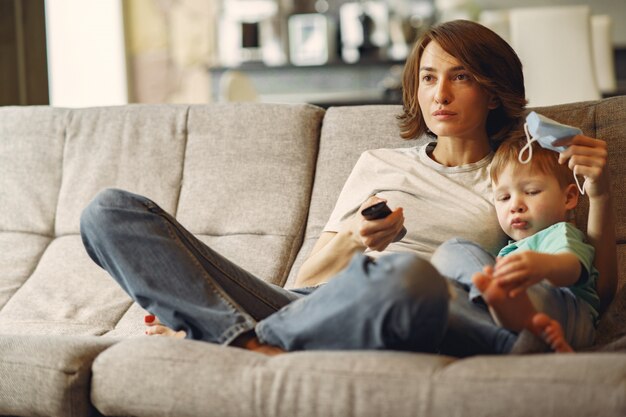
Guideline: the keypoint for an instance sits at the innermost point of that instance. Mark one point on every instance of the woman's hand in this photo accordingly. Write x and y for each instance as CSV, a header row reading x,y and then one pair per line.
x,y
588,157
375,234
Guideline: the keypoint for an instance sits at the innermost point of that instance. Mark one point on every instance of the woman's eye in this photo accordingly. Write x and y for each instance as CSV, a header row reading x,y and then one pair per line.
x,y
427,78
462,77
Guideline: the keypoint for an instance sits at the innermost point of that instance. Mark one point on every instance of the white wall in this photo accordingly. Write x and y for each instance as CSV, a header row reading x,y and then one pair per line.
x,y
86,54
614,8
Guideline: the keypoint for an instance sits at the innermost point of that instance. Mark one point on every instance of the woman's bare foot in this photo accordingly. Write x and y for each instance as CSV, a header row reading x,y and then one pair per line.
x,y
156,328
251,342
551,332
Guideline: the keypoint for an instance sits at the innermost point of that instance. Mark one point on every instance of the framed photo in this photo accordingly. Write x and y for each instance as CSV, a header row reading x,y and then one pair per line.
x,y
311,39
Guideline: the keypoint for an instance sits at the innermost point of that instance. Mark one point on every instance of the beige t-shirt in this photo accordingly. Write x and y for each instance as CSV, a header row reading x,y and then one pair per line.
x,y
439,202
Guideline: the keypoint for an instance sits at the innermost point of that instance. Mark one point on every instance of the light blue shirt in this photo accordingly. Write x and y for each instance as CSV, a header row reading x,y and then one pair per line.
x,y
559,238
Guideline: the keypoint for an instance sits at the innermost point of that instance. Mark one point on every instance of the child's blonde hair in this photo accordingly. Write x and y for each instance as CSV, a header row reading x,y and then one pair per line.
x,y
544,160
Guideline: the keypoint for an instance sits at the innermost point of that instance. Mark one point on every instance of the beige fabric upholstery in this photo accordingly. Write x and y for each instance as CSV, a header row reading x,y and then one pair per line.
x,y
31,152
195,161
18,256
247,185
270,174
65,295
149,377
136,148
47,375
346,133
209,377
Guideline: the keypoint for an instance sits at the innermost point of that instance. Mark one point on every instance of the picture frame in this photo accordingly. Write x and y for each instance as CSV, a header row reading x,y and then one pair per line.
x,y
311,39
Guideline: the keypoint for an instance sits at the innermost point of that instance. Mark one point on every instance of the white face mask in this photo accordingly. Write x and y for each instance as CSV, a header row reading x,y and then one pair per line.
x,y
550,135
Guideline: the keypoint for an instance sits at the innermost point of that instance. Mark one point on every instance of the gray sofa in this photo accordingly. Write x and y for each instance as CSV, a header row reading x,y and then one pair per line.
x,y
256,182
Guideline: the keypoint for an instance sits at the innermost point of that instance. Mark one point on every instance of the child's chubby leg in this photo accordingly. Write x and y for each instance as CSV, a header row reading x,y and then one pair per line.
x,y
518,313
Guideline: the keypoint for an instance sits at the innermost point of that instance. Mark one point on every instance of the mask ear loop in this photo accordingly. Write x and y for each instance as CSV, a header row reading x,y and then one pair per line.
x,y
581,188
528,147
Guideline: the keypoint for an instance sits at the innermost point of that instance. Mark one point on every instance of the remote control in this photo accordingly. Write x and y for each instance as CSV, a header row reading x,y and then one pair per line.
x,y
380,211
377,211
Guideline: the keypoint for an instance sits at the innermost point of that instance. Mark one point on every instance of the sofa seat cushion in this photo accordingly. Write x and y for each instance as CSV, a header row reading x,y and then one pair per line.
x,y
19,253
532,385
66,294
164,377
47,375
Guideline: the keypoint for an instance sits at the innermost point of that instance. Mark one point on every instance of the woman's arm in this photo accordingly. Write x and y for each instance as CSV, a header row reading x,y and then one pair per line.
x,y
588,156
334,250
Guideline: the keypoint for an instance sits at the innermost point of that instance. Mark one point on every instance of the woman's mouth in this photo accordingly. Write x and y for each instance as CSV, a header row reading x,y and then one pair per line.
x,y
443,114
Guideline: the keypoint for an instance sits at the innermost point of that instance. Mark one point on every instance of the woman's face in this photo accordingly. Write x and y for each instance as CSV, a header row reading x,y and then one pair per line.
x,y
453,104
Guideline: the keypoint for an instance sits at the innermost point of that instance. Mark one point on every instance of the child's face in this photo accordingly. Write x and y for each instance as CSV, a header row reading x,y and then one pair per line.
x,y
527,201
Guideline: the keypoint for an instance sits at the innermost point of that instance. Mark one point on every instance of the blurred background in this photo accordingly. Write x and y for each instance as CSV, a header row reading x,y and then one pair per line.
x,y
77,53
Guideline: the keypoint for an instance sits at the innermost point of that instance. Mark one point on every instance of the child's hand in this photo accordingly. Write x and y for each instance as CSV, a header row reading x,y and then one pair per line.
x,y
519,271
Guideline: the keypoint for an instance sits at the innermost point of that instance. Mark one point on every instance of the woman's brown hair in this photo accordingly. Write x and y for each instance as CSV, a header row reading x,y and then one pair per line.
x,y
491,61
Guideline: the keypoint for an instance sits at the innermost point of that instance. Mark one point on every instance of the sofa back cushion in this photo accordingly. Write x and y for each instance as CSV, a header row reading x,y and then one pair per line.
x,y
238,176
31,155
346,133
247,181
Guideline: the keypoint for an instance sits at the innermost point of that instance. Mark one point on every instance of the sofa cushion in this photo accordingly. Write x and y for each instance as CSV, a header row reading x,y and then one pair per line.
x,y
66,294
163,377
532,385
346,133
247,181
47,375
139,148
19,253
31,152
612,325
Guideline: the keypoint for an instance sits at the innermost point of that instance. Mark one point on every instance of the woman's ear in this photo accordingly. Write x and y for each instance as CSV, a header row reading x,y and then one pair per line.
x,y
571,196
494,102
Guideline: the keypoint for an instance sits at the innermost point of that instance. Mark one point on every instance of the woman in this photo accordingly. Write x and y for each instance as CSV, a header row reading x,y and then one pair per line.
x,y
462,84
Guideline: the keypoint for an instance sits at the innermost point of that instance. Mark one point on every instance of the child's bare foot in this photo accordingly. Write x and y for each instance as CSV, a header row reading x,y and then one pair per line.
x,y
512,313
518,313
551,332
156,328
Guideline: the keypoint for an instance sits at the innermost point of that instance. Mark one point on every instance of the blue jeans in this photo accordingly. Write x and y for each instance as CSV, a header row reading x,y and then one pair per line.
x,y
396,302
471,324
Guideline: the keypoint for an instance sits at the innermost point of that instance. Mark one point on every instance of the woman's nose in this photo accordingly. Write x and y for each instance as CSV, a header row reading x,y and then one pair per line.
x,y
443,95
